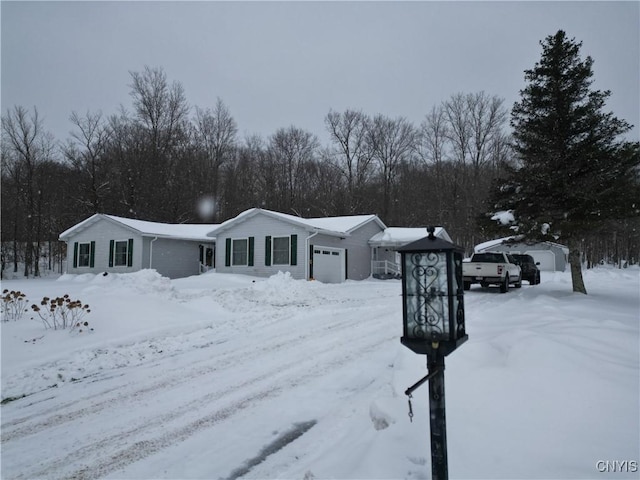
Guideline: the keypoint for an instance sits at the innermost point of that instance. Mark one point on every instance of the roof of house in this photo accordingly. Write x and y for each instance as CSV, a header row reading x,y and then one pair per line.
x,y
335,226
399,236
179,231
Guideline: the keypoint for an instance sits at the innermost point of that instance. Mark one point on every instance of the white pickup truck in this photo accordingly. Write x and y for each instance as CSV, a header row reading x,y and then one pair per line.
x,y
492,268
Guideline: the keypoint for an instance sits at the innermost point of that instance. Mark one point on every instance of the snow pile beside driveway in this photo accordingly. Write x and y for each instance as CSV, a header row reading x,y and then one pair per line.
x,y
280,291
229,376
144,282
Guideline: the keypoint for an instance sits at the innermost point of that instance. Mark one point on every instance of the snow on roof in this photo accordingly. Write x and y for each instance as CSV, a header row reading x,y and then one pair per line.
x,y
399,236
341,224
182,231
499,241
185,231
490,244
331,225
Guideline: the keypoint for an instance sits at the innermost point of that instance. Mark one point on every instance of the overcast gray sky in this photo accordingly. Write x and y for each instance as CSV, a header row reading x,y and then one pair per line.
x,y
276,64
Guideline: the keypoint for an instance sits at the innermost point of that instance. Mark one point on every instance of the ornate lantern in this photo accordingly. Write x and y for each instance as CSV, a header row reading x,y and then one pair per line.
x,y
433,296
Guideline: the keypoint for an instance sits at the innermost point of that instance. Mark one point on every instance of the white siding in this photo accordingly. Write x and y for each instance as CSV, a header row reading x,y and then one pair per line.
x,y
174,258
102,232
260,226
170,257
358,251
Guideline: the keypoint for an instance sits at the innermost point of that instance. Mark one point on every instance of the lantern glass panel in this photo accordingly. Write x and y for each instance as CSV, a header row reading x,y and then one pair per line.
x,y
427,303
457,296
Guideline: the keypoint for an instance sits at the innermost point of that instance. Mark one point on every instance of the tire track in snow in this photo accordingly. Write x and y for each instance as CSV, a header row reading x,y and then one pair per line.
x,y
278,444
211,365
133,448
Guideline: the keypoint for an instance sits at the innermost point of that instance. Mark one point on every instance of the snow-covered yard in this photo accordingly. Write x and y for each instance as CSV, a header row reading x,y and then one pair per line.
x,y
223,376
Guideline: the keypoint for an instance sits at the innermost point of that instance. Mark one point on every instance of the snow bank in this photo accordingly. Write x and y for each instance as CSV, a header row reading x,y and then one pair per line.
x,y
142,282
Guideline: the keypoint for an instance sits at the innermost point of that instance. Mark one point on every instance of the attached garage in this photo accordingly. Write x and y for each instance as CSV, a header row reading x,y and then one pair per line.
x,y
329,264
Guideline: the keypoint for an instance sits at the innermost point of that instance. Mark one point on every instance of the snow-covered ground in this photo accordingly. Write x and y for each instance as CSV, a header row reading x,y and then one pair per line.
x,y
224,376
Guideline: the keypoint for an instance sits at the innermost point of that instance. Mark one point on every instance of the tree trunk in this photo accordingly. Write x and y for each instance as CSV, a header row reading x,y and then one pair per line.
x,y
36,259
576,268
15,253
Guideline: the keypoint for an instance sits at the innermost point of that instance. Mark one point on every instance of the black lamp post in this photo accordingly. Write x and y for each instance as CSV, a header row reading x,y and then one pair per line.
x,y
433,324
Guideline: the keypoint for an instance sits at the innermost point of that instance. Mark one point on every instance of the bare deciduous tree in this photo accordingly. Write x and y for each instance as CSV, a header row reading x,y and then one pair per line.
x,y
160,108
28,147
488,118
86,151
392,141
161,127
353,154
459,131
215,134
246,183
291,149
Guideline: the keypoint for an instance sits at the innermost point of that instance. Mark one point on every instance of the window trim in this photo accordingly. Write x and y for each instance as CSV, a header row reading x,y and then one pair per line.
x,y
269,250
273,250
126,253
88,255
233,241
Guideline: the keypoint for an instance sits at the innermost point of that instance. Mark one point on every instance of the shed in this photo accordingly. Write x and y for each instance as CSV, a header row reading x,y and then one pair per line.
x,y
549,256
106,243
262,242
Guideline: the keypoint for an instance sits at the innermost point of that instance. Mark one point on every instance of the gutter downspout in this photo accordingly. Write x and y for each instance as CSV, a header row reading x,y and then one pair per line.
x,y
151,252
309,260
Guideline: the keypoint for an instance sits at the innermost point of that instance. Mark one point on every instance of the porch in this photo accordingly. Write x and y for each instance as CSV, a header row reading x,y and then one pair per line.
x,y
385,260
385,269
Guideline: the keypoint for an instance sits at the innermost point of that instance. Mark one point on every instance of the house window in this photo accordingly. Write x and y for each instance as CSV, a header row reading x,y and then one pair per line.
x,y
84,254
120,253
281,249
240,252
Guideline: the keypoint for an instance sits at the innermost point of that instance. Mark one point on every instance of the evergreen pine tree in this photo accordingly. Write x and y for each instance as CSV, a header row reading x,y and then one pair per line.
x,y
573,174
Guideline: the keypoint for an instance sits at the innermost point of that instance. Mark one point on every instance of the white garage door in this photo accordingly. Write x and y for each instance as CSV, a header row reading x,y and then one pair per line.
x,y
328,264
546,258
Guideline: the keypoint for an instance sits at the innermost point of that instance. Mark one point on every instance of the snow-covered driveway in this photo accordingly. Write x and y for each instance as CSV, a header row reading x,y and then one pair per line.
x,y
224,376
252,376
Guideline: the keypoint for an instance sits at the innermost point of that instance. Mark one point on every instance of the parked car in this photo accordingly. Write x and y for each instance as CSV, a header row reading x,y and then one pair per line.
x,y
492,268
530,270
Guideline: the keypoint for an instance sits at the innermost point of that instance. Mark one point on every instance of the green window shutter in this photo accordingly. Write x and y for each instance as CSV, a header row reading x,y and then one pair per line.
x,y
227,253
92,255
251,251
294,249
267,251
202,254
111,246
75,255
130,253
